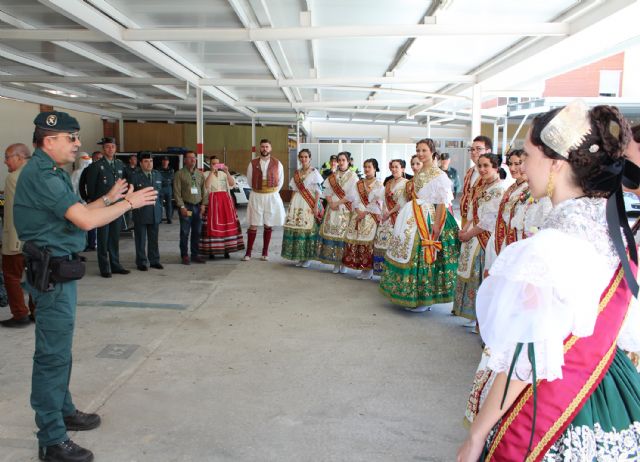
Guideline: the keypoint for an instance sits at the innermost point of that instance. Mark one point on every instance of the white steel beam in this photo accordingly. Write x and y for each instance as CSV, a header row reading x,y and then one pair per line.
x,y
48,35
322,104
341,81
243,10
87,16
39,99
84,79
334,32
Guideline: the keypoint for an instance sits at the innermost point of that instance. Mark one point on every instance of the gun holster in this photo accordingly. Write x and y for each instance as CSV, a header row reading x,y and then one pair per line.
x,y
37,266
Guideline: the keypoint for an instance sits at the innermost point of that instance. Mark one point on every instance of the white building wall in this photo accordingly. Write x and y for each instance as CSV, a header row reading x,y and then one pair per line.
x,y
388,133
631,75
17,127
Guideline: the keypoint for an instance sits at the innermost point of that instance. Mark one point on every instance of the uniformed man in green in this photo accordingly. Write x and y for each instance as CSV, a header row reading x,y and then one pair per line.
x,y
50,217
131,168
101,176
146,221
166,194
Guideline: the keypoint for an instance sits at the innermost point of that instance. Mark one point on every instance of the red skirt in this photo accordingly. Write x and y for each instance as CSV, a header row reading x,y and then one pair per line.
x,y
221,232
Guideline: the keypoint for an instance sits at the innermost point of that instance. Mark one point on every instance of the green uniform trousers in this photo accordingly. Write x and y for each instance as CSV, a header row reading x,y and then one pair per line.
x,y
50,396
109,246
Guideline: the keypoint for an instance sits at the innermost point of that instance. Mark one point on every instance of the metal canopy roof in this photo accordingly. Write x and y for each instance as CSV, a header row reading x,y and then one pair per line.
x,y
401,61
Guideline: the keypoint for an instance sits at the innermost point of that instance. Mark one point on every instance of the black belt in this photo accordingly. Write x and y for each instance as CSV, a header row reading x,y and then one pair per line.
x,y
189,203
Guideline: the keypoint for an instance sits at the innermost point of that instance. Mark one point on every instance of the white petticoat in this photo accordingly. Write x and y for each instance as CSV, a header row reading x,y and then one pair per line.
x,y
265,209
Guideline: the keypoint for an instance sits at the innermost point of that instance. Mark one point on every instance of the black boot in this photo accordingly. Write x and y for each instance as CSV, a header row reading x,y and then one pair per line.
x,y
79,421
67,451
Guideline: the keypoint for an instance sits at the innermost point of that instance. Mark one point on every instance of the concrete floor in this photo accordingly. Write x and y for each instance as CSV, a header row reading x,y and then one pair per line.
x,y
256,361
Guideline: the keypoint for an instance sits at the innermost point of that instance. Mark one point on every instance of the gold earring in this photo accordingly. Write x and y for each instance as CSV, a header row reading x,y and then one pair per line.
x,y
550,185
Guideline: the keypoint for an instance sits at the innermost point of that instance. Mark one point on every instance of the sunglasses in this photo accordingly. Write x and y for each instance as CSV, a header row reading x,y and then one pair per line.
x,y
73,137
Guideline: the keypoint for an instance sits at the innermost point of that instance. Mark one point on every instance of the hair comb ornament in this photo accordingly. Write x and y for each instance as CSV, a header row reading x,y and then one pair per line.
x,y
568,129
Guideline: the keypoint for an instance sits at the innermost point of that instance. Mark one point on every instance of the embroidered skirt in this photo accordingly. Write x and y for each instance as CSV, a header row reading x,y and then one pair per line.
x,y
384,233
358,249
416,283
300,237
221,232
332,234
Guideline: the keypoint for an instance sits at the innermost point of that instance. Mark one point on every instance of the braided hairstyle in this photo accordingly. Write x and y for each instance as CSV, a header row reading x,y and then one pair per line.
x,y
601,152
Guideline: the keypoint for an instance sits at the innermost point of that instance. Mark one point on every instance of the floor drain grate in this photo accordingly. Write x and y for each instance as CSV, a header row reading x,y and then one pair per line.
x,y
117,351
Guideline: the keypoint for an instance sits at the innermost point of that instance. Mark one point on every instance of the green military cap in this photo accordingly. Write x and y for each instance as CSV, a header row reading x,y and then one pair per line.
x,y
144,155
57,122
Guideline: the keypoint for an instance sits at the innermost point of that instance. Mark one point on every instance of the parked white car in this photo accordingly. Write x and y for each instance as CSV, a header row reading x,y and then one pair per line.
x,y
631,203
242,190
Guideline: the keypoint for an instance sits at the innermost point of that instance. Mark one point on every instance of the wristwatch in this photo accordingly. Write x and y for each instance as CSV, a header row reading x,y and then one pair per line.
x,y
106,201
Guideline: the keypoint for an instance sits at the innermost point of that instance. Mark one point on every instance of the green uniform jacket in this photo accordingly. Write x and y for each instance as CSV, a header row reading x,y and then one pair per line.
x,y
150,214
167,177
101,177
129,172
43,196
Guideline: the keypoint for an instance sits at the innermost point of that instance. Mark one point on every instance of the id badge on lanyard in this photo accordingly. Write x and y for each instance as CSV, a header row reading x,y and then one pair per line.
x,y
194,188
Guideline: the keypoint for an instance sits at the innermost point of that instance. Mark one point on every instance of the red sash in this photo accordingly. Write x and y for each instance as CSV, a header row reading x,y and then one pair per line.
x,y
333,181
364,197
391,203
587,360
502,227
484,236
306,195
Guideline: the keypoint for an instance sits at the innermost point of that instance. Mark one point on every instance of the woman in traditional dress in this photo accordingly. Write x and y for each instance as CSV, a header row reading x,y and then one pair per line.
x,y
553,308
482,212
299,240
420,263
336,218
366,199
514,201
221,232
512,197
394,200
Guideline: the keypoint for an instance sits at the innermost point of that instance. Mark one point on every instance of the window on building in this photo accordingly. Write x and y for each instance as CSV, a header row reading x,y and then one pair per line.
x,y
609,83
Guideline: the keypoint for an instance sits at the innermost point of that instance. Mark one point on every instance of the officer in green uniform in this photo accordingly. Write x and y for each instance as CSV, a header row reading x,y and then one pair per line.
x,y
50,217
146,221
101,176
131,168
166,194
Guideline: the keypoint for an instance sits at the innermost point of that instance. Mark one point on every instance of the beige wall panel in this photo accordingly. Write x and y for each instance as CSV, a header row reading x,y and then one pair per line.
x,y
232,143
17,127
152,136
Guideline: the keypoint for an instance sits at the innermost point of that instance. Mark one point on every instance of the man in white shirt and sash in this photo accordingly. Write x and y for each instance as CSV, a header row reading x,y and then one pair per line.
x,y
266,177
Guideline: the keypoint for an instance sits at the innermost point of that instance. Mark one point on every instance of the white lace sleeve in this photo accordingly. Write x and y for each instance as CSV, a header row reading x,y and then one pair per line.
x,y
327,190
313,181
376,198
488,209
539,291
292,185
437,191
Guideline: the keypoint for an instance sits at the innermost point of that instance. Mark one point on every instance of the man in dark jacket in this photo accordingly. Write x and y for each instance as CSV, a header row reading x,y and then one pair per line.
x,y
101,176
146,220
